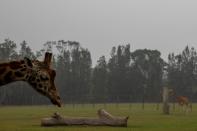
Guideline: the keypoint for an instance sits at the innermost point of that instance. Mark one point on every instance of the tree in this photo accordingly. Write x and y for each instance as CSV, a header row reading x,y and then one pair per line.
x,y
81,71
118,67
99,80
7,50
26,51
182,68
150,66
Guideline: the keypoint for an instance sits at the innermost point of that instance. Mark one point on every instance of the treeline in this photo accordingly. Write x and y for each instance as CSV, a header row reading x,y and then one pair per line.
x,y
126,77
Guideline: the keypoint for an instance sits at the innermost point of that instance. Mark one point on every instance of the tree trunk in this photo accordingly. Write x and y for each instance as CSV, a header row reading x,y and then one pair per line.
x,y
104,119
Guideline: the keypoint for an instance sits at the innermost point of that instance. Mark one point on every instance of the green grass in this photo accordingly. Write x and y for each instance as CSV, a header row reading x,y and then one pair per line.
x,y
27,118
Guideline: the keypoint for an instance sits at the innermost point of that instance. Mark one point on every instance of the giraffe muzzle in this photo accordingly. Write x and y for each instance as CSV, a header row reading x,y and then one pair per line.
x,y
56,102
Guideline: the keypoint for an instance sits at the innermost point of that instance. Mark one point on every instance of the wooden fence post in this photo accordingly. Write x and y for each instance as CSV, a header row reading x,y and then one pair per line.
x,y
166,107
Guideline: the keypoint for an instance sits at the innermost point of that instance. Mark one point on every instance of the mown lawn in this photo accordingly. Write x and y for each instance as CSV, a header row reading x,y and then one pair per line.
x,y
27,118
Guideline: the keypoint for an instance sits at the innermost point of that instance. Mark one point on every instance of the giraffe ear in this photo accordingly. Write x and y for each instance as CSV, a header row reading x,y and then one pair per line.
x,y
28,62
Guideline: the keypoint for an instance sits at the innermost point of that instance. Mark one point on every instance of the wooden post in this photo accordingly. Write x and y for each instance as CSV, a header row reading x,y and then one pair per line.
x,y
104,119
166,107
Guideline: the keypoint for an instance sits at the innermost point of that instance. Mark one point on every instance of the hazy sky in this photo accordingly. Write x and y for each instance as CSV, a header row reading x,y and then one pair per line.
x,y
166,25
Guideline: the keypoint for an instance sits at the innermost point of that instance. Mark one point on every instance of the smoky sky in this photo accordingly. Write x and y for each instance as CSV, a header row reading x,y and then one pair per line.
x,y
165,25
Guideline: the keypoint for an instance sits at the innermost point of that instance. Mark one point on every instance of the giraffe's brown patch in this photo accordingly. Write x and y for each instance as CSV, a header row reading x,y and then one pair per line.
x,y
34,85
19,74
8,77
2,70
22,62
32,78
45,88
58,97
2,65
40,85
15,65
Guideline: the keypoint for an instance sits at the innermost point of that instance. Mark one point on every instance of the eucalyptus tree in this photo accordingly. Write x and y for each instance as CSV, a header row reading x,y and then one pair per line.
x,y
182,67
118,67
99,81
149,65
81,73
8,50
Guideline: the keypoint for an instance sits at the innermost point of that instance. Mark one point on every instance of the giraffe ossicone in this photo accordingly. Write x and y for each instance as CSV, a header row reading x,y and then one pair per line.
x,y
38,74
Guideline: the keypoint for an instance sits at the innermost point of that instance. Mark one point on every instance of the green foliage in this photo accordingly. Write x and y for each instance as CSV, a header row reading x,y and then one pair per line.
x,y
150,67
99,81
182,68
7,50
26,51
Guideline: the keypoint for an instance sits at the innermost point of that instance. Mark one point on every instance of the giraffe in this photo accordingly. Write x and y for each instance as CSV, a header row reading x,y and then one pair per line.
x,y
183,101
37,73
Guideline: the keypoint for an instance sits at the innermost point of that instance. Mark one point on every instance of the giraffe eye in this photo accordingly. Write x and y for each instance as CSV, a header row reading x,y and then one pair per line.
x,y
44,77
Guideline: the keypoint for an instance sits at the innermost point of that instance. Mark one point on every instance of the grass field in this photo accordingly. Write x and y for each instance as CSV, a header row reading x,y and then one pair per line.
x,y
27,118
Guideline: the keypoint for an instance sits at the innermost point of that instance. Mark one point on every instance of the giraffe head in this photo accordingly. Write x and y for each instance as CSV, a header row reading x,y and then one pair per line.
x,y
41,77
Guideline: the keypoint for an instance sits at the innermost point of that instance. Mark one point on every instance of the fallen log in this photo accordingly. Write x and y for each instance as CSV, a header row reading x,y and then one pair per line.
x,y
104,119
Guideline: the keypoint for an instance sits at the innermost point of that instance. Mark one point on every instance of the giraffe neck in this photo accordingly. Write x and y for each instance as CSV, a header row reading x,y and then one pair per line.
x,y
12,71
